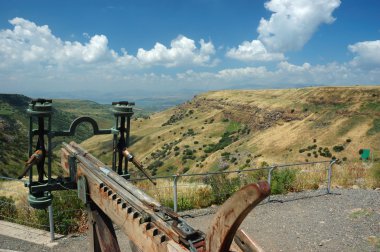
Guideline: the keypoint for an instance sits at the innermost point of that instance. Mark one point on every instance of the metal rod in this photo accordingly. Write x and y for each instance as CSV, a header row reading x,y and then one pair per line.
x,y
30,149
50,149
127,133
175,193
234,171
51,222
270,179
329,173
129,157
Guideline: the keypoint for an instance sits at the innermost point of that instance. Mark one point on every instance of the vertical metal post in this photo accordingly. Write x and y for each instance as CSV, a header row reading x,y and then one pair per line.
x,y
175,195
329,174
50,150
270,179
51,222
30,148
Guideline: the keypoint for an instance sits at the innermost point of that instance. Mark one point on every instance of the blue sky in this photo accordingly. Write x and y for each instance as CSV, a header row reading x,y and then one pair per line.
x,y
90,49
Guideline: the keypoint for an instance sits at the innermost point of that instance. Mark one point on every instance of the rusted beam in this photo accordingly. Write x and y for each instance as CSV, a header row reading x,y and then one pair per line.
x,y
152,227
231,214
124,209
102,234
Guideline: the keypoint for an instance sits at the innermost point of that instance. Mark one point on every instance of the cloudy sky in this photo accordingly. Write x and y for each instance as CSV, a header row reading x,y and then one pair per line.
x,y
146,48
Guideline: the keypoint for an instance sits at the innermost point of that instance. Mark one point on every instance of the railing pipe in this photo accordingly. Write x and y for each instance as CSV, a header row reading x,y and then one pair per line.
x,y
329,174
175,193
51,222
270,179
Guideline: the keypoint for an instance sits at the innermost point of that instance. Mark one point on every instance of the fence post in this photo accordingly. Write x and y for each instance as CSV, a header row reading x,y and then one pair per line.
x,y
175,196
51,222
270,179
329,173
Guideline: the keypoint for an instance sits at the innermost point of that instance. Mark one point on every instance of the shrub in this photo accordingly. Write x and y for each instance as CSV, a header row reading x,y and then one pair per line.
x,y
338,148
7,208
68,211
283,181
222,187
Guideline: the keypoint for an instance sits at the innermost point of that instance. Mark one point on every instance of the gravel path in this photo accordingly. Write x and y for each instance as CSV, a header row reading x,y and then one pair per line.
x,y
347,220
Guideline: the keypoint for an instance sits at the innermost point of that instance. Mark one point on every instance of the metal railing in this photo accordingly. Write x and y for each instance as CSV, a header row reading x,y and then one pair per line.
x,y
178,184
324,167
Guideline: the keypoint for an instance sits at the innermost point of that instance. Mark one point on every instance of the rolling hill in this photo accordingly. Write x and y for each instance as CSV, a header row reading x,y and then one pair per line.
x,y
236,129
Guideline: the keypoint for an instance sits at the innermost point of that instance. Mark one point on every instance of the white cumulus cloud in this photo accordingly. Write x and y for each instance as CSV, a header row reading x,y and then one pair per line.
x,y
290,27
367,53
29,43
182,51
32,46
253,51
293,22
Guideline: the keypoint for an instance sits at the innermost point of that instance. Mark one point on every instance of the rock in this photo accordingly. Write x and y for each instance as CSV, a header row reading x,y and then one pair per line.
x,y
355,187
377,189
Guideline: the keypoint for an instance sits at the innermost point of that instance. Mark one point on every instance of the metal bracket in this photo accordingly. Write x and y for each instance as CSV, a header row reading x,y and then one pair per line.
x,y
82,188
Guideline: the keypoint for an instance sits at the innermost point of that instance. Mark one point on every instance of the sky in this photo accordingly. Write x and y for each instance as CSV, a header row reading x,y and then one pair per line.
x,y
132,49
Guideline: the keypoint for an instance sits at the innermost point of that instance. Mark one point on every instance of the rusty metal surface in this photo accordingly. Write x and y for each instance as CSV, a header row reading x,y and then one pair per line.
x,y
102,233
137,163
152,227
34,159
231,214
124,209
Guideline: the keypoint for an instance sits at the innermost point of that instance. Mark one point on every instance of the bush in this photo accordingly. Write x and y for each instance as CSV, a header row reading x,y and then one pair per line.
x,y
222,187
338,148
283,181
68,211
7,208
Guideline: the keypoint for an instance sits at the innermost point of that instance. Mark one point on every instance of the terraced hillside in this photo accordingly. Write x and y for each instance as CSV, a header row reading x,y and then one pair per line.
x,y
237,129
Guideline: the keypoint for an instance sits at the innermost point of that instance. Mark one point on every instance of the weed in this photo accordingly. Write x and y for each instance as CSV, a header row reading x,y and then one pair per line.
x,y
7,208
222,187
283,181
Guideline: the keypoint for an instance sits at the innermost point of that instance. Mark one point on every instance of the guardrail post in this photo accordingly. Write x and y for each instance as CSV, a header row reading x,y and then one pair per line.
x,y
175,196
329,173
51,222
270,179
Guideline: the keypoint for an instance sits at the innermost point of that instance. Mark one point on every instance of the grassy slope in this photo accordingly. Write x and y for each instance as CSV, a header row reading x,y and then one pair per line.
x,y
264,125
14,127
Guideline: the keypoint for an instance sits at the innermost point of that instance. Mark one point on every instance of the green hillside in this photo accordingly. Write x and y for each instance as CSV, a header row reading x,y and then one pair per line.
x,y
14,127
218,130
244,128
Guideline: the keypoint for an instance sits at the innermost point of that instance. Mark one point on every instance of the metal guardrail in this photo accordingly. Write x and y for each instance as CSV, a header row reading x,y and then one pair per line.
x,y
269,169
174,179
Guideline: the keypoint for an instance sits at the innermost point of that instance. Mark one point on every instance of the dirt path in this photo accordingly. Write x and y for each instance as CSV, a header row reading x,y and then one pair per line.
x,y
347,220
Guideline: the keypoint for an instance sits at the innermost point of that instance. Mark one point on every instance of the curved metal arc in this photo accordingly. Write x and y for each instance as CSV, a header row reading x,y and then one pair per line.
x,y
80,120
232,213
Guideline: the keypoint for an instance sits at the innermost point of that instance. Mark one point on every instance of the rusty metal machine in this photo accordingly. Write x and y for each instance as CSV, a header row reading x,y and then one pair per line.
x,y
112,199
